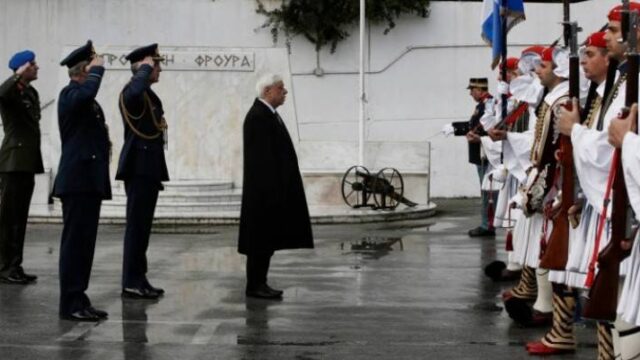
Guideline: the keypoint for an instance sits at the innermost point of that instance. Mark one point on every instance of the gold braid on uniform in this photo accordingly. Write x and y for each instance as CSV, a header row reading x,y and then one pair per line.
x,y
160,125
605,342
561,335
527,288
542,113
591,116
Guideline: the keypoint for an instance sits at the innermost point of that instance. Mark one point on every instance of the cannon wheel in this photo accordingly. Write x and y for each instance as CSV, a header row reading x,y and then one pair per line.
x,y
385,189
353,188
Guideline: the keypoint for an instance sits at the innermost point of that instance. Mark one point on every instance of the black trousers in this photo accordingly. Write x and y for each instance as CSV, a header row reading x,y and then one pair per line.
x,y
142,196
16,189
257,269
80,215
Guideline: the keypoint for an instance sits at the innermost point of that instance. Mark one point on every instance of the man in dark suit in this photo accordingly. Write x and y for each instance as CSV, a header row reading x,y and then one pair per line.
x,y
142,166
82,181
20,160
473,130
274,213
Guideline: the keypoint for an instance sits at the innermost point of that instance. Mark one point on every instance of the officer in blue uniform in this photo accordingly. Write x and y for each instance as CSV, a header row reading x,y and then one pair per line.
x,y
82,181
142,166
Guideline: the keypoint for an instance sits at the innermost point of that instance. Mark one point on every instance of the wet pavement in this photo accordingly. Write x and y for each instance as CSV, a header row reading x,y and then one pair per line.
x,y
412,290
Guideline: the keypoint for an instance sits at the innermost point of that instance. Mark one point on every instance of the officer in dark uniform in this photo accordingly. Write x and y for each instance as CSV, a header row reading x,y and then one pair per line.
x,y
142,166
82,181
472,130
20,160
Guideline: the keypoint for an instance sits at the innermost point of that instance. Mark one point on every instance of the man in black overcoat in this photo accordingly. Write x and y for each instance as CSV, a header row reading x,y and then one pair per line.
x,y
274,214
142,167
82,181
473,130
20,160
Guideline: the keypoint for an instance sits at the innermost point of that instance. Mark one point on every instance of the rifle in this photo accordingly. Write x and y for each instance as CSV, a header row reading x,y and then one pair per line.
x,y
557,251
603,295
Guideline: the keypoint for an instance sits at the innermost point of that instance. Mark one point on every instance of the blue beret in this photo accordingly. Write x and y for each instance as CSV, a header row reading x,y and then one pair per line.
x,y
20,59
142,52
83,53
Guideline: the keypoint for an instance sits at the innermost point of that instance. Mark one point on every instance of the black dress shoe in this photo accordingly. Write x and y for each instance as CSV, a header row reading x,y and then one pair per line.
x,y
14,279
99,313
139,293
480,232
81,315
160,291
29,277
274,291
263,292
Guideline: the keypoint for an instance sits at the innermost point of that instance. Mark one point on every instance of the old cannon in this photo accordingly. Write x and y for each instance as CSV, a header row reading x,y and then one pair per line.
x,y
386,186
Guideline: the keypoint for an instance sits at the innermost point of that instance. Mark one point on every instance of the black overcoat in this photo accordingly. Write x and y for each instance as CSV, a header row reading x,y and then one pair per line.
x,y
84,162
274,214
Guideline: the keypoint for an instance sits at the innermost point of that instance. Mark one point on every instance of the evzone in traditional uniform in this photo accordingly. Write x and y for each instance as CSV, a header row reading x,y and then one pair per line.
x,y
529,230
628,324
561,337
499,177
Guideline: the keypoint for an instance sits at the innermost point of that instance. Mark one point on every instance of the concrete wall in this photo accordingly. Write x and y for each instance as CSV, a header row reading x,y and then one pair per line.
x,y
417,82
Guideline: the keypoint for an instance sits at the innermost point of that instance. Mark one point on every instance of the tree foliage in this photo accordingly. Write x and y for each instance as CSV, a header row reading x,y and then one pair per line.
x,y
327,22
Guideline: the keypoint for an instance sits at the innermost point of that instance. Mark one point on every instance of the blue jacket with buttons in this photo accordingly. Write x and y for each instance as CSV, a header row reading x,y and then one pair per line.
x,y
139,156
84,162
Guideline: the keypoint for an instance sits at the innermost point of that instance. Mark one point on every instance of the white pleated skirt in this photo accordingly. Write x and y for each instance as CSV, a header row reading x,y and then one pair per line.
x,y
502,218
629,302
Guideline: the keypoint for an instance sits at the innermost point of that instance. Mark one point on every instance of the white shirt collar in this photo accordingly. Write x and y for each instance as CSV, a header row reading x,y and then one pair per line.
x,y
268,105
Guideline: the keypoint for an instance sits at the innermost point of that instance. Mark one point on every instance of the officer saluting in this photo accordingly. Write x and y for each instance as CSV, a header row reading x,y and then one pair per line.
x,y
142,166
20,160
82,181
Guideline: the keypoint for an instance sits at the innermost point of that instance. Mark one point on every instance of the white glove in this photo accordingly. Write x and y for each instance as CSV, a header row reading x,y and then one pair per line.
x,y
447,130
503,88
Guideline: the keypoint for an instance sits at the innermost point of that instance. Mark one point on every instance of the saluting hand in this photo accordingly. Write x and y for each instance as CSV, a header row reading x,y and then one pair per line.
x,y
620,127
96,61
148,60
23,68
567,118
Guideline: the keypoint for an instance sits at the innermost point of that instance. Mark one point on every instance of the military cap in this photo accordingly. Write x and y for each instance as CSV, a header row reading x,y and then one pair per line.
x,y
596,39
616,13
83,53
21,58
142,52
481,83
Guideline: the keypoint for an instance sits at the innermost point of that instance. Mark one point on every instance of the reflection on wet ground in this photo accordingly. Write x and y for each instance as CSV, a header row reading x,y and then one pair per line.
x,y
373,291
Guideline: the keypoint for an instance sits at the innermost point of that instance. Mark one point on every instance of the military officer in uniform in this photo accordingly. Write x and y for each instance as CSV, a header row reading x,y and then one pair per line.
x,y
20,160
82,181
274,214
142,167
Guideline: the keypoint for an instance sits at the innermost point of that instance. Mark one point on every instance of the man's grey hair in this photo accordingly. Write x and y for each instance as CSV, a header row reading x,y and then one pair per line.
x,y
77,69
265,82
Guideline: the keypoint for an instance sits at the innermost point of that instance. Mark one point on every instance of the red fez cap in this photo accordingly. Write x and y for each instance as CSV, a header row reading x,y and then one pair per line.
x,y
536,49
596,39
616,13
547,54
512,63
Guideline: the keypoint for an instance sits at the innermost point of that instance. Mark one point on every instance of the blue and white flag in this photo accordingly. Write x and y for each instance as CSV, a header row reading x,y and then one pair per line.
x,y
492,23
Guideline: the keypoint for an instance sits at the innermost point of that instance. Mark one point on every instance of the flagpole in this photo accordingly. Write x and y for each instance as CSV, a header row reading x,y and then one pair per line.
x,y
503,68
362,96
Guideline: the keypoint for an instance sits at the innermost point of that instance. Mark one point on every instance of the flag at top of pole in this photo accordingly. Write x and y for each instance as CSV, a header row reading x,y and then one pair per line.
x,y
493,13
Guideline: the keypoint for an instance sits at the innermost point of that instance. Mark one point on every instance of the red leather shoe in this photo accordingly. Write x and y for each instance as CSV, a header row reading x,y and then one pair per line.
x,y
540,349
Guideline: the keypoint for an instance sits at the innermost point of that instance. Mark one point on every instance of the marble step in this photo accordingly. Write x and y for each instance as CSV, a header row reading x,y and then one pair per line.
x,y
234,195
185,186
177,207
